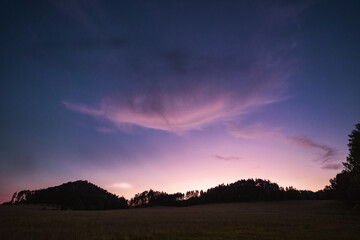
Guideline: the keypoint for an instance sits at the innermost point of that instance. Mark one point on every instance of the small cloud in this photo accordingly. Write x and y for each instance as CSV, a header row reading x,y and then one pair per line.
x,y
105,130
254,131
226,158
121,185
83,109
332,166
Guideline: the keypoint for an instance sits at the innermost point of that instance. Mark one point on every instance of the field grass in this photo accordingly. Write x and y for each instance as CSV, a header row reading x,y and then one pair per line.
x,y
261,220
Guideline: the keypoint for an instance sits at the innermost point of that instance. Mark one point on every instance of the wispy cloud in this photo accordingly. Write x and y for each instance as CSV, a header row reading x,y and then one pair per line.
x,y
83,109
105,130
229,158
304,141
253,131
258,131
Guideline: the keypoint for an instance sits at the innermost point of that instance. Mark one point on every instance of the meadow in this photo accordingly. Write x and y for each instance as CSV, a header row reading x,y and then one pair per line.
x,y
307,219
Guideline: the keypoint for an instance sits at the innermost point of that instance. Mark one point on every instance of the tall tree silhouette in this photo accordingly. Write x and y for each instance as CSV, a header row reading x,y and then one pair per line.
x,y
352,163
347,183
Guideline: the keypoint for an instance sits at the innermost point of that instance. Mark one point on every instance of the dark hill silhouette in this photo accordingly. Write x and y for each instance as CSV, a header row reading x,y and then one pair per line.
x,y
78,195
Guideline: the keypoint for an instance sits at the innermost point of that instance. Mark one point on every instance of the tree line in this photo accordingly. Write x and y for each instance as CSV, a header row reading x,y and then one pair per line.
x,y
240,191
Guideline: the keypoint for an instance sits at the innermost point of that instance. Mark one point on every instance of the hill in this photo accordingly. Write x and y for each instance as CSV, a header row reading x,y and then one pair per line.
x,y
78,195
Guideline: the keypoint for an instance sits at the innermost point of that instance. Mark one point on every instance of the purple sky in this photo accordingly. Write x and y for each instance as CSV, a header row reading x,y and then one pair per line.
x,y
176,95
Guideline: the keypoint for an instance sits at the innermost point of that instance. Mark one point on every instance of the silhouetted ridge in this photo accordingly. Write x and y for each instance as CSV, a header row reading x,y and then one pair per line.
x,y
240,191
82,195
78,195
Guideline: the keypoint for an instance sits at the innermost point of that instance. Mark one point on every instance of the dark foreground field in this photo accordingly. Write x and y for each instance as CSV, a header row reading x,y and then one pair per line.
x,y
263,220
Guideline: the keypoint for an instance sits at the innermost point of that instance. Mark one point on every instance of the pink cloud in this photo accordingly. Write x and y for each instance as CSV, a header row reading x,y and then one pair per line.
x,y
168,113
174,112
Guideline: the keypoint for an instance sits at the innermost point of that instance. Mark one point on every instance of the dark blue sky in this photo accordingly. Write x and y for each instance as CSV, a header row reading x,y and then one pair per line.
x,y
133,94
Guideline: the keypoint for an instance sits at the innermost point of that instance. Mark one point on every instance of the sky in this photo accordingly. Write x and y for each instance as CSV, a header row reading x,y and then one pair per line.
x,y
176,95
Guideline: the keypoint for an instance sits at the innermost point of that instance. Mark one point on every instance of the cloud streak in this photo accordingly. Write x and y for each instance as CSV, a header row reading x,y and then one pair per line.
x,y
229,158
306,142
257,131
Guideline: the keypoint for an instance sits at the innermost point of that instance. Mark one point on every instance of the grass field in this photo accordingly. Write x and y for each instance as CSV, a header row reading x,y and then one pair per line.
x,y
261,220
